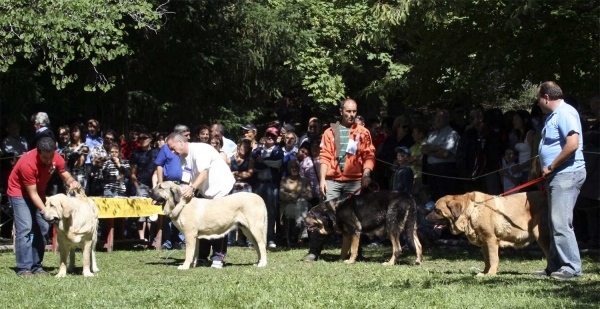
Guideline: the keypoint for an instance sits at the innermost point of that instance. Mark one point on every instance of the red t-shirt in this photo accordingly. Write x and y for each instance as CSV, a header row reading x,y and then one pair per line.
x,y
30,170
128,148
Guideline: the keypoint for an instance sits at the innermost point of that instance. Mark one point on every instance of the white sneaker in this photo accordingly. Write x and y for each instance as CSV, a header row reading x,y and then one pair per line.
x,y
217,264
272,244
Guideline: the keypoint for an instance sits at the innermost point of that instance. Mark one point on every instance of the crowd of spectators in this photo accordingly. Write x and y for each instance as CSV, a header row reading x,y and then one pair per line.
x,y
449,152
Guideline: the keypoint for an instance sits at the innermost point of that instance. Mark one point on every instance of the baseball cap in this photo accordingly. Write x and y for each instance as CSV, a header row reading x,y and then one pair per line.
x,y
273,131
289,128
249,127
403,149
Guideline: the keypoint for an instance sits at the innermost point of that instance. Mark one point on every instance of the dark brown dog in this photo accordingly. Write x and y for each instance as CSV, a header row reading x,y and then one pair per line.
x,y
369,214
491,222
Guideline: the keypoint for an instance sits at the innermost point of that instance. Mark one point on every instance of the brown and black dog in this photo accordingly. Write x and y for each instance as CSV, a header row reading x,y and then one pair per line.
x,y
491,222
370,214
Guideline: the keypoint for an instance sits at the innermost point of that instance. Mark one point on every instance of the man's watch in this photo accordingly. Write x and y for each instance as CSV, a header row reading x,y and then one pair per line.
x,y
550,167
366,175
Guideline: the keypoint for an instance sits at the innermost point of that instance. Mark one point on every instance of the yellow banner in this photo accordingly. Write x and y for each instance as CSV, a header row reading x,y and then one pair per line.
x,y
126,207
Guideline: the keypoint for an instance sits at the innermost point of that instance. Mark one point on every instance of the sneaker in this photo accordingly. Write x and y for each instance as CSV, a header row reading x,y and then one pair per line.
x,y
179,246
203,263
541,273
310,258
562,274
26,273
272,244
373,244
166,246
217,264
250,245
41,273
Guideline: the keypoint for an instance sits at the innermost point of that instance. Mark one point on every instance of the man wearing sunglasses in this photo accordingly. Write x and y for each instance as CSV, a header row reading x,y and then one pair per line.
x,y
268,162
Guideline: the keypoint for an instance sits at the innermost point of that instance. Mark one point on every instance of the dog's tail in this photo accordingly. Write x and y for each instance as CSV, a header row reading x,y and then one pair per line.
x,y
411,232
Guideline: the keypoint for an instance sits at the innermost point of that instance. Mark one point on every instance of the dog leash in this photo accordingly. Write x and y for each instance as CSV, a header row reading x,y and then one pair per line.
x,y
361,187
527,184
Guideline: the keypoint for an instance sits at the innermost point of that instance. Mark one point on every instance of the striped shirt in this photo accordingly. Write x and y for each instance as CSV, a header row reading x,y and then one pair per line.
x,y
344,132
114,177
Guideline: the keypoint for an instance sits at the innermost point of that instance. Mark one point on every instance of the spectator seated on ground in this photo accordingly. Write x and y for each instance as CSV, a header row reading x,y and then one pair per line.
x,y
294,194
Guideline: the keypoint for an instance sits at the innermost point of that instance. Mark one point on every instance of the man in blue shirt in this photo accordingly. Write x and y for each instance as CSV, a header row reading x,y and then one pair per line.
x,y
562,163
168,168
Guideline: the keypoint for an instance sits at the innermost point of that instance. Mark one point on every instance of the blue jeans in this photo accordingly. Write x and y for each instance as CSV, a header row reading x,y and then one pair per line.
x,y
269,194
30,230
562,190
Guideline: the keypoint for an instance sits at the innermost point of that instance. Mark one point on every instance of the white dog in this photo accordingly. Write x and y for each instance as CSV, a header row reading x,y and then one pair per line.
x,y
77,227
214,218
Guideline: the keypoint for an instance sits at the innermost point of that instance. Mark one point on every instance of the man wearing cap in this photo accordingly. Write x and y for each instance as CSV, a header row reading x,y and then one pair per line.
x,y
250,133
403,177
268,161
347,158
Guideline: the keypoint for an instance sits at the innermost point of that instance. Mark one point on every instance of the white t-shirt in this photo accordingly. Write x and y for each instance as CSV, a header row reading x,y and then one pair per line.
x,y
202,157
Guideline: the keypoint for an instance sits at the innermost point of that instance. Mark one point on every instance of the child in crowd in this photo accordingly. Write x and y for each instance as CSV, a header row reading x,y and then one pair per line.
x,y
510,179
403,177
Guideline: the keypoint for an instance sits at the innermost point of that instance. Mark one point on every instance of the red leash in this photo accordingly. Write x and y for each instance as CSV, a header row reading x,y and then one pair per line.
x,y
527,184
356,191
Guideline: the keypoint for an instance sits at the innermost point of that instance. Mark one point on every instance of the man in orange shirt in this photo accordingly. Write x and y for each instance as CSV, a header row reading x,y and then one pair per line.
x,y
347,158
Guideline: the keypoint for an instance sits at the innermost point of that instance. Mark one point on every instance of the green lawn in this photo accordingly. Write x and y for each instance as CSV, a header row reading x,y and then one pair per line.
x,y
140,279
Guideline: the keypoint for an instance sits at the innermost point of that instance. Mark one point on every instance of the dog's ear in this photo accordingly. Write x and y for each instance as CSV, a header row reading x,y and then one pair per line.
x,y
456,208
176,192
63,206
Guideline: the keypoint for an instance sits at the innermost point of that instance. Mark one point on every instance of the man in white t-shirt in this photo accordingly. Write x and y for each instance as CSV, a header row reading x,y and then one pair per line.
x,y
203,169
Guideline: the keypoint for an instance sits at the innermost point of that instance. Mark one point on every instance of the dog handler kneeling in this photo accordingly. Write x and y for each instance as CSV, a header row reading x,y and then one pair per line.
x,y
347,158
26,192
203,169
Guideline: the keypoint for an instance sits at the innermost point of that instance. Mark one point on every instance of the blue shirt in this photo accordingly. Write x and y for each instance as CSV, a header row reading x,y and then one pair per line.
x,y
92,141
563,120
170,164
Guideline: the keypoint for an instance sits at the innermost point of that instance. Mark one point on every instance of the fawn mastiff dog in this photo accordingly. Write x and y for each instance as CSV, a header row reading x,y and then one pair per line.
x,y
491,222
76,221
213,218
374,213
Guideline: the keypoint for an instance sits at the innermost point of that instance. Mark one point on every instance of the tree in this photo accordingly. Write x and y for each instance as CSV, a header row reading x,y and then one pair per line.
x,y
51,35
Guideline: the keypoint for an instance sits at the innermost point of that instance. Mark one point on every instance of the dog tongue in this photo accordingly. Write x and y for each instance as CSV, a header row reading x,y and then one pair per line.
x,y
153,202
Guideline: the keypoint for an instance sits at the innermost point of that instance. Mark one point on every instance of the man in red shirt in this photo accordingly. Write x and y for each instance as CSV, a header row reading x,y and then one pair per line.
x,y
26,186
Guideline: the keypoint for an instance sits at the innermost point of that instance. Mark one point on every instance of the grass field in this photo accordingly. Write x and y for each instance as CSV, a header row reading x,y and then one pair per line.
x,y
140,279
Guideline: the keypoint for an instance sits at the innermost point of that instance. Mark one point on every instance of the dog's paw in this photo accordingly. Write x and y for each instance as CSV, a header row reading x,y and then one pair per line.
x,y
88,274
183,267
95,269
261,264
387,264
480,275
418,262
349,261
70,270
61,275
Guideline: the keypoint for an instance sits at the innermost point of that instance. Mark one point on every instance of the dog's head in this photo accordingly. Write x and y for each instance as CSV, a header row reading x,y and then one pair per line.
x,y
167,194
450,210
322,218
58,207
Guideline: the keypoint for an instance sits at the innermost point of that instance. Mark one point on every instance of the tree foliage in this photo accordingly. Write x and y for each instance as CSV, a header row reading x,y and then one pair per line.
x,y
229,60
54,34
